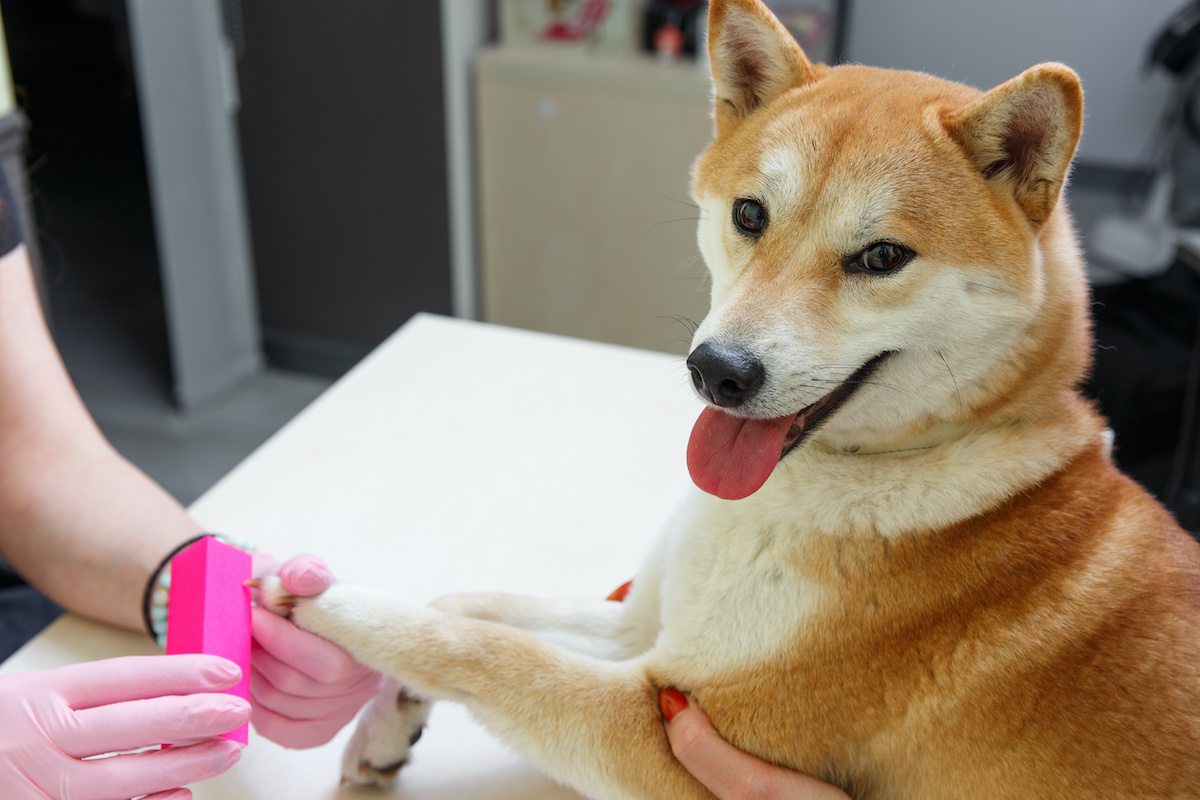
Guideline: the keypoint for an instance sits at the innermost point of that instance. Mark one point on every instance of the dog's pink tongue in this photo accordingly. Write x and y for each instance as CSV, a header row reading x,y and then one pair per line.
x,y
732,457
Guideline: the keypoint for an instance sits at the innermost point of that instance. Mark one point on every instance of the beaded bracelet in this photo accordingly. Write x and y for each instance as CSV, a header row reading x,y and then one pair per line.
x,y
158,589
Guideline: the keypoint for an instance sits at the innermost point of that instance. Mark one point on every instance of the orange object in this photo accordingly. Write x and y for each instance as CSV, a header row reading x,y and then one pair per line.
x,y
621,592
671,701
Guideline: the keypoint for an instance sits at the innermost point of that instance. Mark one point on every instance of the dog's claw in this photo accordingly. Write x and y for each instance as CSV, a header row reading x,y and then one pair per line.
x,y
273,597
389,772
367,774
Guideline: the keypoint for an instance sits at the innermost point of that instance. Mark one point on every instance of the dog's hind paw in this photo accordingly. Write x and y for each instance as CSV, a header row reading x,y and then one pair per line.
x,y
272,596
387,730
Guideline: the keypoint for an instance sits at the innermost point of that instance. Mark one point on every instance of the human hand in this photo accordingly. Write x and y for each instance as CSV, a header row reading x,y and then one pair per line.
x,y
55,718
729,773
303,689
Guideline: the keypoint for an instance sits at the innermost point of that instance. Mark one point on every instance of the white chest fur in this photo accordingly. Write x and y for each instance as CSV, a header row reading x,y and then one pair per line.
x,y
728,584
728,596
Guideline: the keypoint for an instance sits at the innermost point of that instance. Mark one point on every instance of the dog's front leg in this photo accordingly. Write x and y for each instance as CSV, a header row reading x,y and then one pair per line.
x,y
599,628
393,721
591,723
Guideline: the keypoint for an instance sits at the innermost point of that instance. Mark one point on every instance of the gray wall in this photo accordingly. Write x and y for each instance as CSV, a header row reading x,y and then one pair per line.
x,y
984,42
187,101
344,148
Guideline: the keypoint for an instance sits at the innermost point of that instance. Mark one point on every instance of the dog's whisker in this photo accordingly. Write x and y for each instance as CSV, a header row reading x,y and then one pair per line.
x,y
954,379
680,202
815,383
689,324
671,221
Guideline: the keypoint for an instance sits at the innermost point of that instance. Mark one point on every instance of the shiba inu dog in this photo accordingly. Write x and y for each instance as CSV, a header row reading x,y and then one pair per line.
x,y
914,570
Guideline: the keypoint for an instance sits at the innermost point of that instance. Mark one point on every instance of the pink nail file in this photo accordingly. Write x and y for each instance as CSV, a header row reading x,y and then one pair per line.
x,y
209,610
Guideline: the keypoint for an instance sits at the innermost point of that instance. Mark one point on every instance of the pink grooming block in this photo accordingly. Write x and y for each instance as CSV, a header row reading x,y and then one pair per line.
x,y
209,610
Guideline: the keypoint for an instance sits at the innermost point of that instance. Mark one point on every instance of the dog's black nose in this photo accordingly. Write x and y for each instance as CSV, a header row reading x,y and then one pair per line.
x,y
728,376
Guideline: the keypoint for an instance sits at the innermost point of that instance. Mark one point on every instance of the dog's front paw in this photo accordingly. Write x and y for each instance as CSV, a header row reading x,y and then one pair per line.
x,y
273,597
388,728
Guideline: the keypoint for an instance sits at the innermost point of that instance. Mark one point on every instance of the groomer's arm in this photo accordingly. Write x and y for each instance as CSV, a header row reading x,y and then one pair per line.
x,y
87,528
76,519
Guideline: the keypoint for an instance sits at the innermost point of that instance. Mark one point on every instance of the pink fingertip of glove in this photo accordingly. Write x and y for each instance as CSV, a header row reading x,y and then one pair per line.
x,y
174,794
305,575
221,672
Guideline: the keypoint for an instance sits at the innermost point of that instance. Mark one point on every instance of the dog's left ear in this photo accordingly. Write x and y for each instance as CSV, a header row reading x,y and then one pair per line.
x,y
754,59
1022,135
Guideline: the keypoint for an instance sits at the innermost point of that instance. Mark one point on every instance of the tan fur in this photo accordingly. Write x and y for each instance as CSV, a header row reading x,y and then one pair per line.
x,y
973,665
949,591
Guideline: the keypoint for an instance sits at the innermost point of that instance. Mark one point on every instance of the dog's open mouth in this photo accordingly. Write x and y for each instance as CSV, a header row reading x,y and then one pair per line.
x,y
732,457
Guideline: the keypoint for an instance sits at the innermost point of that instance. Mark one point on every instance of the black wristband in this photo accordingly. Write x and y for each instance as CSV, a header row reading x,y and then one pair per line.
x,y
154,579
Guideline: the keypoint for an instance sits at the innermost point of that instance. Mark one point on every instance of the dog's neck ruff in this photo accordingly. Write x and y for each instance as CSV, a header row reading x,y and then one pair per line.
x,y
923,489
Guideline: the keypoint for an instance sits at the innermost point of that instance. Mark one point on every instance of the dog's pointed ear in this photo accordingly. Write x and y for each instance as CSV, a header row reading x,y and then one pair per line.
x,y
754,59
1022,135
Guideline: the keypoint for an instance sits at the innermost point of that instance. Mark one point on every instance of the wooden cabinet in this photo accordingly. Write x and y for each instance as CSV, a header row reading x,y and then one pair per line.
x,y
587,226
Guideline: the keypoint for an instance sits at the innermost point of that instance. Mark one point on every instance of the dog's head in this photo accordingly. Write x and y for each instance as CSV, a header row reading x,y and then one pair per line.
x,y
885,251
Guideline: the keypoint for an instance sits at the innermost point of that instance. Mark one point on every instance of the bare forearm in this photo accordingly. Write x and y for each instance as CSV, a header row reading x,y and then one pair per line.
x,y
76,519
88,531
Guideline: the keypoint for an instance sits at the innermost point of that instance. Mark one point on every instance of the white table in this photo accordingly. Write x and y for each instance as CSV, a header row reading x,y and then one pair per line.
x,y
457,457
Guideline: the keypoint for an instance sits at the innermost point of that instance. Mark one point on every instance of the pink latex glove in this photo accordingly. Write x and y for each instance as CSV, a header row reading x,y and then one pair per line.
x,y
53,719
303,689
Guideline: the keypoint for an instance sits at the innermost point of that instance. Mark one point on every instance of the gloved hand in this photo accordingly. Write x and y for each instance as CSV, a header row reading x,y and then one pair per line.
x,y
52,719
303,689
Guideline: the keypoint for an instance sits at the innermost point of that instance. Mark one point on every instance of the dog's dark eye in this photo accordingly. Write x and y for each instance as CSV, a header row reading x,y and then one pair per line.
x,y
882,257
750,217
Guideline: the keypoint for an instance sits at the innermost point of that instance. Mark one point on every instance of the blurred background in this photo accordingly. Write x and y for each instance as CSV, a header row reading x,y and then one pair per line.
x,y
233,201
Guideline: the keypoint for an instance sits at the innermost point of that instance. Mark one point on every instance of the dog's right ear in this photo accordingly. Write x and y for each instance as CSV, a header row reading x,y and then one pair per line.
x,y
754,59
